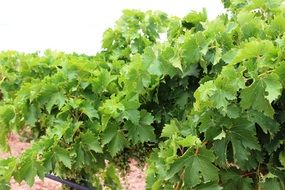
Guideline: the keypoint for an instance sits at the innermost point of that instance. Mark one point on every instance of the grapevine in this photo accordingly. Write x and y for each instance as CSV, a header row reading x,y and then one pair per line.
x,y
204,107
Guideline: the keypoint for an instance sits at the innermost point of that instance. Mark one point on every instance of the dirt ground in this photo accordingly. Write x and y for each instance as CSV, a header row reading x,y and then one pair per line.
x,y
135,179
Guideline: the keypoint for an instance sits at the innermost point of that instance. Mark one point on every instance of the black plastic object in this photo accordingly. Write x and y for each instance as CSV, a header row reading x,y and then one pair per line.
x,y
67,182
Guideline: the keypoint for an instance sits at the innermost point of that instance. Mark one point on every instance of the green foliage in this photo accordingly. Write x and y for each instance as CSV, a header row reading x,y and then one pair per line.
x,y
207,102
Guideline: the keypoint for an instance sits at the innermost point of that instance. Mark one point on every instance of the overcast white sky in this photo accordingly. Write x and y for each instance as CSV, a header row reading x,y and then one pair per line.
x,y
77,25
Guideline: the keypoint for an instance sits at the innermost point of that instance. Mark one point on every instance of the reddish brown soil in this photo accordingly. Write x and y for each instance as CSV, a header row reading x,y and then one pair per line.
x,y
134,180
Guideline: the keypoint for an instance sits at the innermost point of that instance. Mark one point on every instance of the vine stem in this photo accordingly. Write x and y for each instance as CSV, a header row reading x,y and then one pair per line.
x,y
179,184
197,151
248,174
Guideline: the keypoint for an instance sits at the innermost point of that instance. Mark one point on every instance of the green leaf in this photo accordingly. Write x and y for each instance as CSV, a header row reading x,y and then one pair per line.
x,y
183,100
218,55
6,168
229,55
170,129
273,87
189,141
146,118
112,107
89,110
176,62
209,186
233,111
178,165
143,131
252,49
277,24
233,180
133,116
108,38
203,163
140,133
150,58
112,177
191,51
228,83
35,90
195,18
198,168
62,155
280,70
102,79
203,94
31,113
266,123
220,136
243,139
117,143
254,97
90,141
271,183
109,134
156,185
7,113
220,148
57,99
27,171
4,185
220,98
41,170
282,158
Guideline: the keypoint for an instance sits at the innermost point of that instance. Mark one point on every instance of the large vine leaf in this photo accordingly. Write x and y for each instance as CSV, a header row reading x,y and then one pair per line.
x,y
197,168
254,97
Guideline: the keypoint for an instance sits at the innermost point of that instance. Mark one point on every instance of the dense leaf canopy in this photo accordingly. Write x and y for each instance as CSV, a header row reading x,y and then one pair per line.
x,y
208,99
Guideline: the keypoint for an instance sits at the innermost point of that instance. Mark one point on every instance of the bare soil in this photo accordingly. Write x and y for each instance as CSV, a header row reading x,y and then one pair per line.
x,y
134,180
